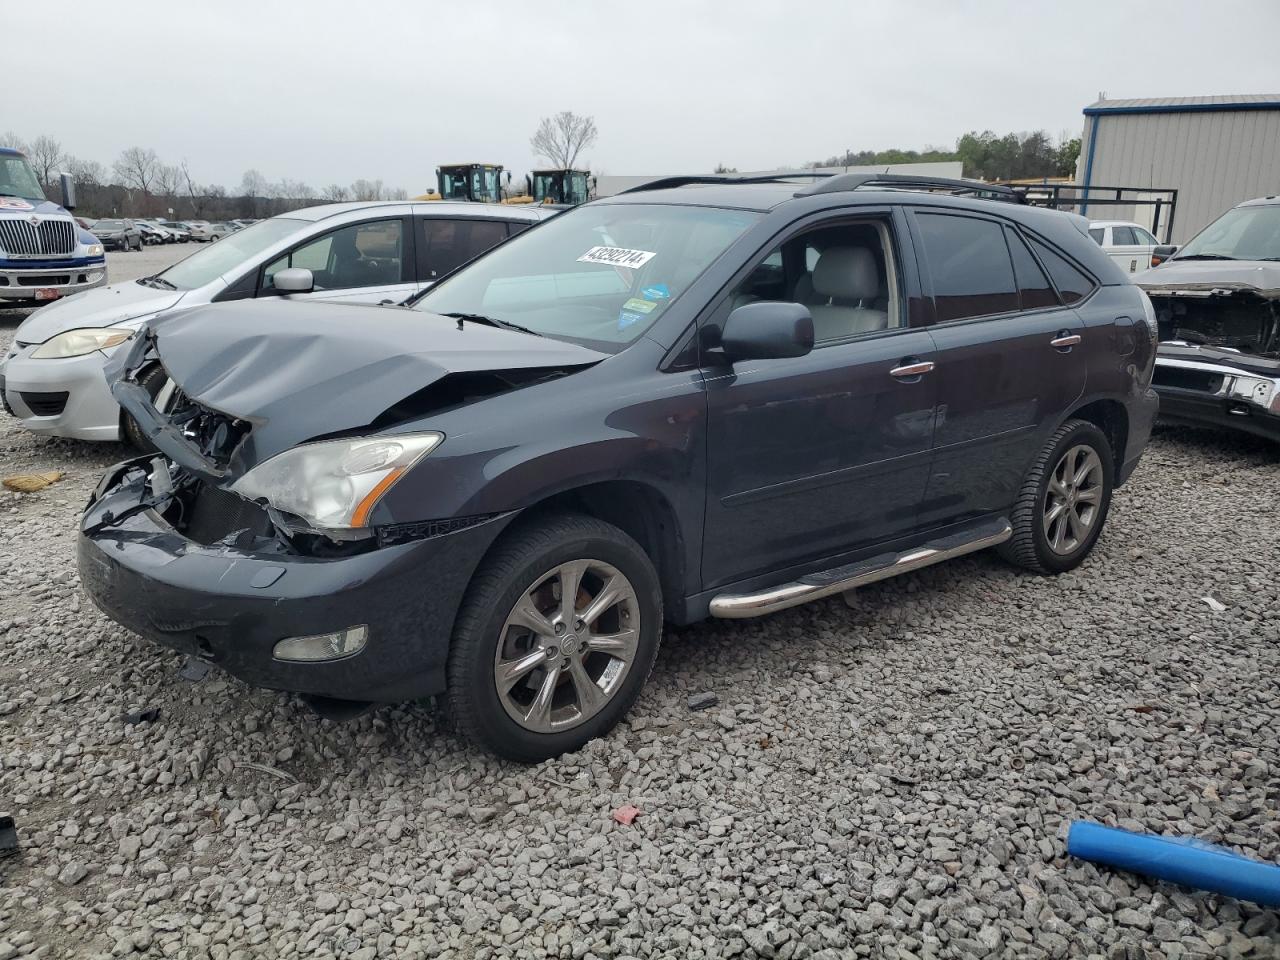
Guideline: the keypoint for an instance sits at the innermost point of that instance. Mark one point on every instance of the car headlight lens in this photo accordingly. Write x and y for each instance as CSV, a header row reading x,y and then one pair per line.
x,y
95,250
76,343
335,484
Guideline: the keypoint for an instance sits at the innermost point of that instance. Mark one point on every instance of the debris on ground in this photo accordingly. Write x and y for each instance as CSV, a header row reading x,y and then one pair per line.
x,y
31,482
8,837
1217,606
194,670
146,715
626,815
703,701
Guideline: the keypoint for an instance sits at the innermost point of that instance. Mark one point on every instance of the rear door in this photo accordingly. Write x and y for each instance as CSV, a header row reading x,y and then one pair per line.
x,y
1009,360
366,262
446,243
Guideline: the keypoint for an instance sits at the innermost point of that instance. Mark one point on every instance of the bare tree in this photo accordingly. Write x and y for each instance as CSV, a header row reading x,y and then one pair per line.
x,y
86,173
254,184
335,192
398,193
168,180
136,168
294,190
46,156
11,139
366,190
562,138
192,190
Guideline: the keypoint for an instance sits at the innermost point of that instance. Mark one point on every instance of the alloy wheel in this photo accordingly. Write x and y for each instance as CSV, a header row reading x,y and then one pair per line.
x,y
1072,501
567,645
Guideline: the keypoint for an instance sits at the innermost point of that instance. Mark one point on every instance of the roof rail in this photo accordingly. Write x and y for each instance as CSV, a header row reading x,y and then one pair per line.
x,y
852,181
668,182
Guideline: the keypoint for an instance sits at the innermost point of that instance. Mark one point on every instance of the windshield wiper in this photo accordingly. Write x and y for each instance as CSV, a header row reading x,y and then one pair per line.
x,y
491,322
1206,256
157,281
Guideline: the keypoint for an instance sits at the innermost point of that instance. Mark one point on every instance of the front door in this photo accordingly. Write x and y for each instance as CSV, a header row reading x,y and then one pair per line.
x,y
359,263
1009,363
813,457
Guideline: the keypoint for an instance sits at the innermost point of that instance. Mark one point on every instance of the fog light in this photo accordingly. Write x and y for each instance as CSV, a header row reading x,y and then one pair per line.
x,y
324,646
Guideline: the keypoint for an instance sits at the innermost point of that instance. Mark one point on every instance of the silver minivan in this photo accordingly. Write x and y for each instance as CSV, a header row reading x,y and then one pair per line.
x,y
366,252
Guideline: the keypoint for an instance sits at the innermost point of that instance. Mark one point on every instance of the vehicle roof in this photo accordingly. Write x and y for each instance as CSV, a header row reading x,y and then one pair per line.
x,y
1261,201
1114,223
451,208
746,196
11,152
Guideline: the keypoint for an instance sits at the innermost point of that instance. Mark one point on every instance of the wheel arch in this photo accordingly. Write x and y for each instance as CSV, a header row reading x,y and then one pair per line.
x,y
640,510
1111,417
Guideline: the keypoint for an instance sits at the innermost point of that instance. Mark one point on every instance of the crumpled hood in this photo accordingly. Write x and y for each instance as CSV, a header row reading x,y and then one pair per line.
x,y
1262,277
102,307
298,370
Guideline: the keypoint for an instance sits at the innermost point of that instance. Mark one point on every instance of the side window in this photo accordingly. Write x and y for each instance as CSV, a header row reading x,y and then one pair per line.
x,y
1141,236
844,274
447,244
1099,235
361,255
969,265
517,226
1073,284
1123,236
1034,289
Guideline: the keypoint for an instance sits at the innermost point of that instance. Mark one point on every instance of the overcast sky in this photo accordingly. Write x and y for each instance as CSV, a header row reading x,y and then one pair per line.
x,y
327,91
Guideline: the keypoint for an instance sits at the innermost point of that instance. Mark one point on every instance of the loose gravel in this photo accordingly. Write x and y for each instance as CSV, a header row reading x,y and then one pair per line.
x,y
891,778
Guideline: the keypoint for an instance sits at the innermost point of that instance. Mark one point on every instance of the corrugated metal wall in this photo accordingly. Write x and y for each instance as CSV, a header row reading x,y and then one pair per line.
x,y
1214,160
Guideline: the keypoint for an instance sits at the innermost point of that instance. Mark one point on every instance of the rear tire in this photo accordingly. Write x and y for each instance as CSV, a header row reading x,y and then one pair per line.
x,y
531,677
1064,500
153,382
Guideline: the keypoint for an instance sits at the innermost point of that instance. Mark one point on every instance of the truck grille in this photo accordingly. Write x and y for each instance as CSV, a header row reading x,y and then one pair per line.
x,y
48,238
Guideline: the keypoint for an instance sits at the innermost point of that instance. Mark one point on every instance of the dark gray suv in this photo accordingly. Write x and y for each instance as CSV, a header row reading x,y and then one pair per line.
x,y
701,398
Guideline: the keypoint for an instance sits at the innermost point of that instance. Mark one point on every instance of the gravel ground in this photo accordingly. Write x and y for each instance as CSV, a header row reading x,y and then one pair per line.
x,y
891,778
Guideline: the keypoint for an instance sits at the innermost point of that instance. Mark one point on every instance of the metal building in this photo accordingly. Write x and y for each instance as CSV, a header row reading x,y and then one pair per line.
x,y
1215,151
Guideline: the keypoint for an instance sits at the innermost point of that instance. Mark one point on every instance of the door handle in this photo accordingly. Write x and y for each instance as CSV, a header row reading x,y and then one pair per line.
x,y
913,369
1064,340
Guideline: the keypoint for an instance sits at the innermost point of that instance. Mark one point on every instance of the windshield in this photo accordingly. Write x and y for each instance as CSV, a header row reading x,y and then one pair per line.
x,y
17,179
227,254
1242,233
108,225
599,275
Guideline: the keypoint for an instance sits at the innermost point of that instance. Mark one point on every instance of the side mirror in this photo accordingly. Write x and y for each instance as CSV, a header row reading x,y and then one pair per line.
x,y
767,330
1162,253
294,280
68,191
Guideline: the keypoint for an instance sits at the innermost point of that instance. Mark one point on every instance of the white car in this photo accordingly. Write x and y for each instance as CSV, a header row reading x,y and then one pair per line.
x,y
369,252
1125,242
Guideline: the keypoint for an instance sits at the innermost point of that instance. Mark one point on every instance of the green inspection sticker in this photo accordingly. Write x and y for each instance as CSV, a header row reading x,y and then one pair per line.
x,y
638,305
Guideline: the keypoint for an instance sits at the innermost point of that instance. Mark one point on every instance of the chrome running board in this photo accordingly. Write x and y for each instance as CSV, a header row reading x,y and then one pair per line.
x,y
815,586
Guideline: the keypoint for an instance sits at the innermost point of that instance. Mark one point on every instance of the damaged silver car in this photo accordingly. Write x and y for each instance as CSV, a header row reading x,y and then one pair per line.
x,y
1217,303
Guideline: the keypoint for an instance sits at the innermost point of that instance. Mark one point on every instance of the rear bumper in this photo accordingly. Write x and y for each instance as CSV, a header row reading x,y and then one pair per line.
x,y
230,607
1212,394
23,283
1142,417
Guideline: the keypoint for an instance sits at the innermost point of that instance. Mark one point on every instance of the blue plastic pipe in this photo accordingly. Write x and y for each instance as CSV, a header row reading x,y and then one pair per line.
x,y
1184,860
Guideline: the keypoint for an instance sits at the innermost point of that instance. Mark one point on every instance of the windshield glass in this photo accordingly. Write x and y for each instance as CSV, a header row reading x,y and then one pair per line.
x,y
108,225
599,275
1242,233
17,179
227,254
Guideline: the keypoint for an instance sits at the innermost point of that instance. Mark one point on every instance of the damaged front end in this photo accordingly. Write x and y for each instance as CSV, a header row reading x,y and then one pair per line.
x,y
1218,361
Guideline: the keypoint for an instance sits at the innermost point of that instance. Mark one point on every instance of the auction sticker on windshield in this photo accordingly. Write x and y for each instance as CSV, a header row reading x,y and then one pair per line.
x,y
617,257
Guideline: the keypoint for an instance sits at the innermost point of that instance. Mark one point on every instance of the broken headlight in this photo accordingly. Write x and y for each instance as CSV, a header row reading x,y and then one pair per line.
x,y
336,483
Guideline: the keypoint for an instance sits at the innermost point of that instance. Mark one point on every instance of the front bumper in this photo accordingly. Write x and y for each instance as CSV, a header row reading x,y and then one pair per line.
x,y
26,283
60,398
1215,394
230,606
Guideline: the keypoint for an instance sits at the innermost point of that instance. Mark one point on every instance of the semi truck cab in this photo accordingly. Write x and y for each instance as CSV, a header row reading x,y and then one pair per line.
x,y
44,253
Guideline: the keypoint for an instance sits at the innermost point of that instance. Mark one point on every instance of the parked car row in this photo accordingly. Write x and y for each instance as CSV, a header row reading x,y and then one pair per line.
x,y
691,399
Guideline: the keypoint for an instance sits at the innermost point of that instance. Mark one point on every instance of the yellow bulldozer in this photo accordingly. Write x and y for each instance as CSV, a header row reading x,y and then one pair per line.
x,y
477,182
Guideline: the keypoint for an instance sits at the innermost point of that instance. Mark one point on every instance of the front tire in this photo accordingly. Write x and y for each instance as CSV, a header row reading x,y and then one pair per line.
x,y
153,382
1064,500
555,638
